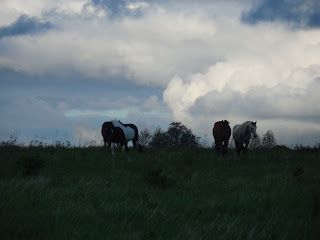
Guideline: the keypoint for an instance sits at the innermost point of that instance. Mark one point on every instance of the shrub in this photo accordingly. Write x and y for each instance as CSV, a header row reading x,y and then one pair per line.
x,y
268,140
177,136
255,143
159,139
145,137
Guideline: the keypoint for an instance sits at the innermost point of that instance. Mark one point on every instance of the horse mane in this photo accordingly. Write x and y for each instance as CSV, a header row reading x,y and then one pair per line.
x,y
225,121
122,123
118,121
246,123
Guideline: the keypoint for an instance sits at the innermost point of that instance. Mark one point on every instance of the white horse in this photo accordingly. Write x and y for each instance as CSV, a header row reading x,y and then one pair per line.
x,y
242,134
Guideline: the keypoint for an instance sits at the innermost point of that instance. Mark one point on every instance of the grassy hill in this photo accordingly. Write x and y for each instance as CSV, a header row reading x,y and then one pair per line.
x,y
86,193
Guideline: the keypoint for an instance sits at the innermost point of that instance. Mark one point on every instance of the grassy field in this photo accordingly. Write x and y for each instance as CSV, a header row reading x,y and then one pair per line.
x,y
86,193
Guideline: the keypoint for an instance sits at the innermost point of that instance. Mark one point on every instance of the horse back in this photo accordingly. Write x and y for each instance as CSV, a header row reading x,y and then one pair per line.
x,y
240,134
221,130
129,130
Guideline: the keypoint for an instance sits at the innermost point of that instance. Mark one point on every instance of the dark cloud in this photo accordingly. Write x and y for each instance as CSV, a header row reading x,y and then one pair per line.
x,y
24,25
36,107
297,13
279,102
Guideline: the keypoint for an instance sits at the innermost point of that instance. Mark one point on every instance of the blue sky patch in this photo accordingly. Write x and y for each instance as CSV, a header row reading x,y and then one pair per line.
x,y
298,13
24,25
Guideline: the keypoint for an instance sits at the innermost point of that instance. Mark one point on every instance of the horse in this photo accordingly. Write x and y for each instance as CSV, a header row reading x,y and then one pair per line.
x,y
221,133
242,135
117,133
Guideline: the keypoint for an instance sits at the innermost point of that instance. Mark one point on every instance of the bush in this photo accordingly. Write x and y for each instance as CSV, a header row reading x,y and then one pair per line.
x,y
255,143
145,137
177,136
159,139
268,140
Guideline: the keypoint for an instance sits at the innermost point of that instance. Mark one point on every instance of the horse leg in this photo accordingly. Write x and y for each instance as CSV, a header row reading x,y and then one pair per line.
x,y
112,148
238,148
218,146
126,147
120,145
245,148
224,147
105,141
107,144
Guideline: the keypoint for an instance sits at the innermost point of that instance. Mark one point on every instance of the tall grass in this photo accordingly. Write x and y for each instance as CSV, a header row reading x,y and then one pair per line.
x,y
86,193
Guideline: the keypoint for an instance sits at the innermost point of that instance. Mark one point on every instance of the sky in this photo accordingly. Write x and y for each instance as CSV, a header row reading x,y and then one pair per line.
x,y
66,66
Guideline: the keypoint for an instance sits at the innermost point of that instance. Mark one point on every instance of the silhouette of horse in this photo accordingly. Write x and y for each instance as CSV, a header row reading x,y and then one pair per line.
x,y
242,135
115,133
221,133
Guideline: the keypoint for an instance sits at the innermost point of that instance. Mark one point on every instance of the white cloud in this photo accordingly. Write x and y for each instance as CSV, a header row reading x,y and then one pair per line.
x,y
11,9
267,72
134,6
99,47
210,65
84,135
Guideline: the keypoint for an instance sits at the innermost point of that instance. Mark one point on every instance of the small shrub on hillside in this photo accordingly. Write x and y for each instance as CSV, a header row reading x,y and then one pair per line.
x,y
301,148
268,140
159,139
30,165
145,137
255,143
181,136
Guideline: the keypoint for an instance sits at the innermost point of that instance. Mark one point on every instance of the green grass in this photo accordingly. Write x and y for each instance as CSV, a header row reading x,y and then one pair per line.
x,y
86,193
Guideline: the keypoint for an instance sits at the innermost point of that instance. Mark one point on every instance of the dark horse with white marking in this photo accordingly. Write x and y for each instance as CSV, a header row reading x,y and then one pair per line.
x,y
117,133
221,133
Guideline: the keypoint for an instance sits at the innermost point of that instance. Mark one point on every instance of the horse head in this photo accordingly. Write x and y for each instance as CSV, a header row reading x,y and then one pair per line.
x,y
109,133
253,129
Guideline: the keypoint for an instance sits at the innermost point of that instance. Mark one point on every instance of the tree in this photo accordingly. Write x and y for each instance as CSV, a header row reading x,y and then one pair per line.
x,y
159,139
181,136
145,137
269,140
255,142
177,135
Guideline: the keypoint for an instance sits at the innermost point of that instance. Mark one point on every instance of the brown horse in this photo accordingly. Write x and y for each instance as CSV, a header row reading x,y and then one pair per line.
x,y
221,133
